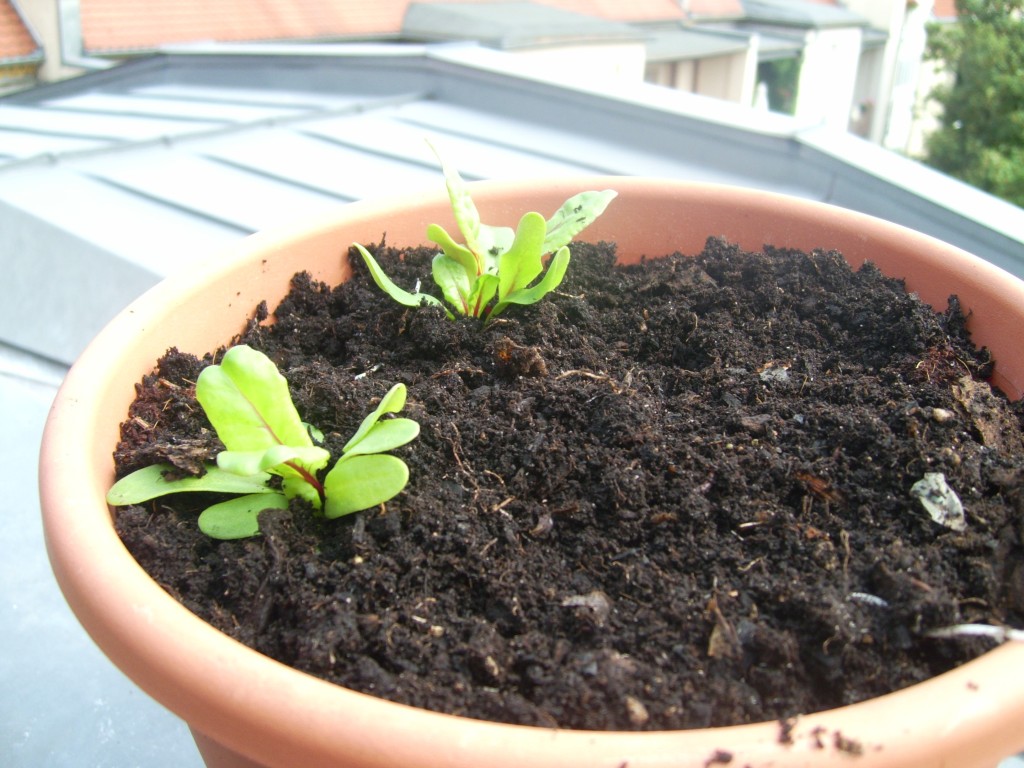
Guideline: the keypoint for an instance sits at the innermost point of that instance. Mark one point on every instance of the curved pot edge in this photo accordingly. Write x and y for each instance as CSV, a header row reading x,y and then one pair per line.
x,y
85,596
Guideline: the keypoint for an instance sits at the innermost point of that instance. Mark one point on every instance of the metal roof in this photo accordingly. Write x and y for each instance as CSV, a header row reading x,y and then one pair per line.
x,y
810,15
112,180
511,25
679,42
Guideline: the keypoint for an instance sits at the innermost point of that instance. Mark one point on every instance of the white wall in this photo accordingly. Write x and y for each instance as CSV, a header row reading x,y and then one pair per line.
x,y
828,76
594,64
887,15
926,112
732,77
911,117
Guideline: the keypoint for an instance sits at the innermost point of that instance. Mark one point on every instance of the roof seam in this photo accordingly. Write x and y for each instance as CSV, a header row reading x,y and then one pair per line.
x,y
169,203
138,113
585,165
120,144
263,173
367,150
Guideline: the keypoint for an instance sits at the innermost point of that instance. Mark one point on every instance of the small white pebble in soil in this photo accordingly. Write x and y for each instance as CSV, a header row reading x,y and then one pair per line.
x,y
636,712
940,501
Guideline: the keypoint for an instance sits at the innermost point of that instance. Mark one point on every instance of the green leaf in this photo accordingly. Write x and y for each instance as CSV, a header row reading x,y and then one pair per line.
x,y
392,402
362,482
483,291
385,436
312,457
518,266
463,208
315,434
494,241
494,260
247,400
150,483
398,294
575,215
453,281
238,518
551,280
457,252
297,487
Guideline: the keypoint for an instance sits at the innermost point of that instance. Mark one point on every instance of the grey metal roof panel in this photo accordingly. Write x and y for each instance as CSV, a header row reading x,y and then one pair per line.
x,y
561,149
800,13
204,188
306,159
209,94
681,44
24,144
115,220
509,25
773,41
143,105
771,47
45,121
384,135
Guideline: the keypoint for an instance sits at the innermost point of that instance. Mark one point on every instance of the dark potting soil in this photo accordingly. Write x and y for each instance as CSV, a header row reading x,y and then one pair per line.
x,y
670,496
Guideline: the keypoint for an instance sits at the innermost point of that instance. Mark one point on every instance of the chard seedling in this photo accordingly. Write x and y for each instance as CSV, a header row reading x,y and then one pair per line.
x,y
495,266
247,401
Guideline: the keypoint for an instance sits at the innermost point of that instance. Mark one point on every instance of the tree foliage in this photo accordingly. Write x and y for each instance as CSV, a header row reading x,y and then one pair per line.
x,y
981,138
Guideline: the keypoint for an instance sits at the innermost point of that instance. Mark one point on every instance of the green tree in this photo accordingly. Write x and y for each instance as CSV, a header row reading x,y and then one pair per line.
x,y
981,138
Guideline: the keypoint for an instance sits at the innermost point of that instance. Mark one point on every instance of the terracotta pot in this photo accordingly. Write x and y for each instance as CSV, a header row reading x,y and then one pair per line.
x,y
247,710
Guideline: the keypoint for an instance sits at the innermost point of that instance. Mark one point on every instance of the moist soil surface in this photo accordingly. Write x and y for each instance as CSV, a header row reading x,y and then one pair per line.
x,y
671,495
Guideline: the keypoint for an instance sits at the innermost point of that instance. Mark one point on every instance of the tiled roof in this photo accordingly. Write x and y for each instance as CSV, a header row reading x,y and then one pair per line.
x,y
511,25
812,15
125,25
617,10
117,25
16,41
715,9
945,9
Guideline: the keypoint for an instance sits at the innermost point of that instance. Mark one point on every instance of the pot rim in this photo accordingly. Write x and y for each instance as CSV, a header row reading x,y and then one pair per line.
x,y
90,561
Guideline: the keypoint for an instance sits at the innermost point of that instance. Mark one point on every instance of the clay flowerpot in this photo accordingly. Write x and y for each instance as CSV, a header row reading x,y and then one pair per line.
x,y
247,710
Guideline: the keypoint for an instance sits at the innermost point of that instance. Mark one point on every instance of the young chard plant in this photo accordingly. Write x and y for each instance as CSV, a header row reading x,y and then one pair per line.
x,y
495,266
247,401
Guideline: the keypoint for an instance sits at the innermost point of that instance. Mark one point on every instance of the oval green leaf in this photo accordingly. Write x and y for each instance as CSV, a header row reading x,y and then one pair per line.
x,y
238,518
150,483
362,482
385,436
247,400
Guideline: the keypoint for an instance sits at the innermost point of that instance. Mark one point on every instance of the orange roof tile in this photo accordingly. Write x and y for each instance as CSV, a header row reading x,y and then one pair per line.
x,y
118,25
715,8
945,9
616,10
16,42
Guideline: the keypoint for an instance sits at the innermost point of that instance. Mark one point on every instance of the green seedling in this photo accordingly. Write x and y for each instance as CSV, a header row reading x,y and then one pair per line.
x,y
247,401
495,266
